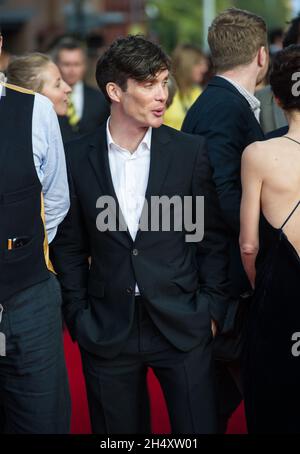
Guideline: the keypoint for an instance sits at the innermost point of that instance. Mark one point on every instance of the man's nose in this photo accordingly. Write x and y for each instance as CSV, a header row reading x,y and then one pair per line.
x,y
162,93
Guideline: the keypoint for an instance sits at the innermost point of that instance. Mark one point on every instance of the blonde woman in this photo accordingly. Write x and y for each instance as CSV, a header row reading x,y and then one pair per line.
x,y
189,66
37,72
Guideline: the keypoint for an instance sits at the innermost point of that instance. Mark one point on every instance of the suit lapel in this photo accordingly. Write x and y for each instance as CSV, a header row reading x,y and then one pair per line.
x,y
84,106
160,156
98,156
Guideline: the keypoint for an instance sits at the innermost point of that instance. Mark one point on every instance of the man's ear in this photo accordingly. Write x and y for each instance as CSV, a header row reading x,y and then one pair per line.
x,y
1,40
262,56
114,91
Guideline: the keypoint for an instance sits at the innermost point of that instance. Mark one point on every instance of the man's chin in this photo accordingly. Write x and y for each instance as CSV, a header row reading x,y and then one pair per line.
x,y
156,122
153,122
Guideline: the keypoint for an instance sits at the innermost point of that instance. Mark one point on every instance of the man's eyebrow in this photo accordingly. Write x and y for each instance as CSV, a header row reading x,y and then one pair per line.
x,y
146,81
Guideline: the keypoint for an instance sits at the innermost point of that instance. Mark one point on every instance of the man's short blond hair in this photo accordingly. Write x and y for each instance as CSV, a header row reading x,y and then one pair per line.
x,y
234,38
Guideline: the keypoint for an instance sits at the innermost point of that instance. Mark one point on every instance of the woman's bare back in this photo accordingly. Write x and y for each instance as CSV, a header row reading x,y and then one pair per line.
x,y
280,167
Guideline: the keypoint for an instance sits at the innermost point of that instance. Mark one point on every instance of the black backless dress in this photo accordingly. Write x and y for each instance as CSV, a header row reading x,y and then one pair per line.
x,y
271,370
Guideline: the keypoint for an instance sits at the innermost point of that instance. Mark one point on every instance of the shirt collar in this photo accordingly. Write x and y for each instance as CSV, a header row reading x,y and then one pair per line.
x,y
146,140
252,100
2,82
77,88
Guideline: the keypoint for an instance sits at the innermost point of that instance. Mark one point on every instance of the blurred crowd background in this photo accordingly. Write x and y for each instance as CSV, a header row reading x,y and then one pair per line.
x,y
180,26
35,25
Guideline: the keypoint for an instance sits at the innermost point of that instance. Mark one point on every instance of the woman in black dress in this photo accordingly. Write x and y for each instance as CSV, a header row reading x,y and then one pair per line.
x,y
270,249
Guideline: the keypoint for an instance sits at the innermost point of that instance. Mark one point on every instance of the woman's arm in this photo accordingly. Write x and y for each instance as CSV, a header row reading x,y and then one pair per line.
x,y
251,174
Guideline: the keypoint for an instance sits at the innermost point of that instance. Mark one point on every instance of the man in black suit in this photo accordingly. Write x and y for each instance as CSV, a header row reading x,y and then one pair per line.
x,y
88,107
151,297
227,114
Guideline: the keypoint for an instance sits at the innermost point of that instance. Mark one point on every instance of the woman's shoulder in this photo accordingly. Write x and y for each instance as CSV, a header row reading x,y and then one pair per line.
x,y
261,150
258,155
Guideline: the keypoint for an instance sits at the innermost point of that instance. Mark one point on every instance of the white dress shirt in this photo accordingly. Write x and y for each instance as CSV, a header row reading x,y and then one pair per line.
x,y
77,97
50,164
130,173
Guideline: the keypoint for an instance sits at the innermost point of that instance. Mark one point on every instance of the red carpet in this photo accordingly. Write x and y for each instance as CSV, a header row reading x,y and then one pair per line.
x,y
80,419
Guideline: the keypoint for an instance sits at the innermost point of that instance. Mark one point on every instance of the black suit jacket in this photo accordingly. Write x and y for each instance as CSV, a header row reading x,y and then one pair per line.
x,y
96,110
185,284
277,133
224,117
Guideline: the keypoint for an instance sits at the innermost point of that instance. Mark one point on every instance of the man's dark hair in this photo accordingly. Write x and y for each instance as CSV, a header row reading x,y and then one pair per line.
x,y
274,34
132,57
66,43
285,64
292,35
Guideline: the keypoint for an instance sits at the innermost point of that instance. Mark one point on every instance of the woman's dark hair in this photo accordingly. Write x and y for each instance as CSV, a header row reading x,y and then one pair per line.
x,y
292,35
283,78
131,57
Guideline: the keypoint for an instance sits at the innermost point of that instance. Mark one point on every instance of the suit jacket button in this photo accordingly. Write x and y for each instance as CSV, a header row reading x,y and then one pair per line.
x,y
129,290
135,252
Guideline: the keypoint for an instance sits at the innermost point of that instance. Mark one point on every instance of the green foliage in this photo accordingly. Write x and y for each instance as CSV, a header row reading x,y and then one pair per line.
x,y
275,12
176,21
182,20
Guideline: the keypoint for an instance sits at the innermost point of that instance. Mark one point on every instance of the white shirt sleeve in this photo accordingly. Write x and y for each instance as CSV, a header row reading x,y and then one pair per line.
x,y
50,164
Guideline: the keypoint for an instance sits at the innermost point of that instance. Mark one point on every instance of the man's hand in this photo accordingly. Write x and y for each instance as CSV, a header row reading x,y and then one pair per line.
x,y
213,328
